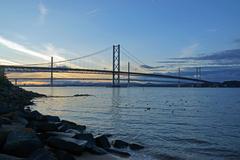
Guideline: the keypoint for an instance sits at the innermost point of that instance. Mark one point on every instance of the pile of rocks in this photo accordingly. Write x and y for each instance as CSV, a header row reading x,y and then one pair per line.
x,y
27,134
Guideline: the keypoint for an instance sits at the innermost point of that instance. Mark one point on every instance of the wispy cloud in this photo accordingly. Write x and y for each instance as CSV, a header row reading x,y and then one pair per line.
x,y
25,50
92,12
189,50
7,62
43,11
212,30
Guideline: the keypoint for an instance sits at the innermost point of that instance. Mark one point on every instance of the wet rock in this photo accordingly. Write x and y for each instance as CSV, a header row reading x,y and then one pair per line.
x,y
135,146
102,141
4,120
60,134
50,118
73,131
42,154
34,115
65,127
21,143
4,108
62,155
40,126
3,137
118,153
8,157
88,137
68,144
119,144
97,150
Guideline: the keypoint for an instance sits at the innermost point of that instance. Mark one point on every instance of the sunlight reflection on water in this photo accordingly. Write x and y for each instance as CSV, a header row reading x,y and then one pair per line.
x,y
187,123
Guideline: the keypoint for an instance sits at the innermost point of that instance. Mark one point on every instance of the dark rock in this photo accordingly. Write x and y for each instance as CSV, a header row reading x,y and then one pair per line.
x,y
8,157
21,143
88,137
68,123
4,120
60,134
120,144
40,126
4,108
97,150
3,137
50,118
66,127
102,141
42,154
35,115
135,146
119,153
62,155
73,131
68,144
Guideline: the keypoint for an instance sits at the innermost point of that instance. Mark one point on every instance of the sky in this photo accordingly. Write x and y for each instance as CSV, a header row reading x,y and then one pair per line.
x,y
164,34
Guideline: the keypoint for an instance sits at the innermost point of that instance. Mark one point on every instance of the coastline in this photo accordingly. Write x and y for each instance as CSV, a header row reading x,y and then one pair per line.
x,y
31,135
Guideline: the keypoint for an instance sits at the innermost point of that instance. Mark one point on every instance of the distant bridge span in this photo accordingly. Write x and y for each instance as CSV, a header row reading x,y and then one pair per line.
x,y
11,68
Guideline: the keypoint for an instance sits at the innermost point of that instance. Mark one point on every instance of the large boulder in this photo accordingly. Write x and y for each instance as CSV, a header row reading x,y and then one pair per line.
x,y
135,146
50,118
42,154
42,126
102,141
118,153
68,144
119,144
8,157
63,155
88,137
66,125
21,143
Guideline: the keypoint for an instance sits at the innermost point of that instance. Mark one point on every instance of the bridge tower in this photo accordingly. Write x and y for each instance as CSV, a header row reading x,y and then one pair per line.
x,y
116,66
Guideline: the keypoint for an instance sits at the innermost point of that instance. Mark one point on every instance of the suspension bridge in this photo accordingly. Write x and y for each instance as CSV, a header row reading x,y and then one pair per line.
x,y
124,68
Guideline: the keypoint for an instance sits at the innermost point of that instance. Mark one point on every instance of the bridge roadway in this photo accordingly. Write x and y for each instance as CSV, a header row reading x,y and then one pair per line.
x,y
11,68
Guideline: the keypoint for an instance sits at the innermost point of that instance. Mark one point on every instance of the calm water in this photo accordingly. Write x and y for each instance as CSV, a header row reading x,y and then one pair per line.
x,y
182,123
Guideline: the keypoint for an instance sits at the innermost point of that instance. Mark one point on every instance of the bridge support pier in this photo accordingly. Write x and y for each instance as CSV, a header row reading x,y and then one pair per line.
x,y
51,83
116,66
128,74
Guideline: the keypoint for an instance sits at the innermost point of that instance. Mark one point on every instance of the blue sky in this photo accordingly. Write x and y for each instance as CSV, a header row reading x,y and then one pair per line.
x,y
153,30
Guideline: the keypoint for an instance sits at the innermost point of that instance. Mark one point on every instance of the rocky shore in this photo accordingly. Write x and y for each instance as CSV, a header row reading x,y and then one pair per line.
x,y
30,135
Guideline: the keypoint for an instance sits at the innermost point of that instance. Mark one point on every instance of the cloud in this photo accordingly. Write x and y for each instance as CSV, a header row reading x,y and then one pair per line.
x,y
43,11
232,55
92,12
7,62
212,30
236,41
24,50
190,50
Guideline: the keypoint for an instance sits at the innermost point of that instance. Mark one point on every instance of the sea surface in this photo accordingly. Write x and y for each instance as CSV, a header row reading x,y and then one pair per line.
x,y
172,123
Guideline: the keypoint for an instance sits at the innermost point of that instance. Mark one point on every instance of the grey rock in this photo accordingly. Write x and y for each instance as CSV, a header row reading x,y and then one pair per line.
x,y
42,154
21,143
88,137
40,126
50,118
119,144
119,153
97,150
67,144
135,146
63,155
102,141
8,157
